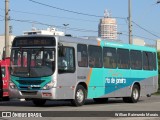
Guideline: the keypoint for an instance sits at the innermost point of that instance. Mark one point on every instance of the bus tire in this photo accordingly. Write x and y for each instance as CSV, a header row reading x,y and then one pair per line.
x,y
100,100
39,102
134,96
126,99
80,96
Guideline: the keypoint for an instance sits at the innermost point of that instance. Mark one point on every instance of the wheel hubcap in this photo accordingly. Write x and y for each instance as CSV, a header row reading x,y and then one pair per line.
x,y
135,94
80,96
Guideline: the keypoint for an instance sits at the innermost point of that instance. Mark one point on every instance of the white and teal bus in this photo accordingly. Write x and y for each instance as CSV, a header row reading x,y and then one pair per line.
x,y
45,67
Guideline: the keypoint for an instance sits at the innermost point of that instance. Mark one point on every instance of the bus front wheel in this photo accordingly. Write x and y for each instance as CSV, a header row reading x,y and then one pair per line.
x,y
39,102
134,96
80,96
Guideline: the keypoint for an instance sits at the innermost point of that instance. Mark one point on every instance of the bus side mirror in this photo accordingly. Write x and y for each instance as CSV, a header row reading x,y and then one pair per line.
x,y
61,51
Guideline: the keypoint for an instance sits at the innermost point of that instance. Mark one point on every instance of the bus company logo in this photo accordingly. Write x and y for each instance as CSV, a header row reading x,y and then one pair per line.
x,y
29,87
6,114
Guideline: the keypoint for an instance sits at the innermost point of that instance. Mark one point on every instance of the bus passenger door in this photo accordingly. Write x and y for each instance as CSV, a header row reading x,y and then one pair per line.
x,y
66,78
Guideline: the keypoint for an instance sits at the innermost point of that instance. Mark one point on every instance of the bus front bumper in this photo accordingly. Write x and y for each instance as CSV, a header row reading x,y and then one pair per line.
x,y
33,94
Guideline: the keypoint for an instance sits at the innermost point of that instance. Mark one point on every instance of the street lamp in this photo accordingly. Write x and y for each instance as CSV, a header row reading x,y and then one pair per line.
x,y
65,25
158,1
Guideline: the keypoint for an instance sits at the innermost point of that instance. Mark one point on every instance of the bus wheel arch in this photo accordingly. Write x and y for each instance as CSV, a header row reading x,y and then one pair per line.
x,y
138,84
85,86
135,94
80,95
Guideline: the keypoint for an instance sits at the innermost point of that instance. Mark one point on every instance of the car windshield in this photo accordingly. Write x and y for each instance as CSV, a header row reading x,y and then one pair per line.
x,y
32,62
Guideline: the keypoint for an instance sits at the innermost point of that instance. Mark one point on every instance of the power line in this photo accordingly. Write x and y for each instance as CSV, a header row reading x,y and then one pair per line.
x,y
24,12
146,30
38,14
140,37
46,15
126,34
145,38
63,9
40,23
66,10
36,22
74,29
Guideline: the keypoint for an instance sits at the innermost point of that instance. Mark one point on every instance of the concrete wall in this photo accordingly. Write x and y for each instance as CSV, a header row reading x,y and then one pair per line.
x,y
158,45
137,41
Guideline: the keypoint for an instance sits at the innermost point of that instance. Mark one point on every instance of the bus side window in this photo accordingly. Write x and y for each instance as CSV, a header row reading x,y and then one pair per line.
x,y
95,56
154,61
147,61
123,58
92,61
109,57
136,59
66,63
82,55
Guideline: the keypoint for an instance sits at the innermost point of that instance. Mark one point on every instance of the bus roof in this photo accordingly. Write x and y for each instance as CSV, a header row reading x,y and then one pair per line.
x,y
99,42
107,43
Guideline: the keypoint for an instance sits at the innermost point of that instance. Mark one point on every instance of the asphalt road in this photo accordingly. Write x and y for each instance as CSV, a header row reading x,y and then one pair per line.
x,y
145,104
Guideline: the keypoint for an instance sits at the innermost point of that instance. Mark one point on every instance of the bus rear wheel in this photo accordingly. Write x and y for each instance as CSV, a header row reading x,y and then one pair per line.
x,y
39,102
80,96
134,96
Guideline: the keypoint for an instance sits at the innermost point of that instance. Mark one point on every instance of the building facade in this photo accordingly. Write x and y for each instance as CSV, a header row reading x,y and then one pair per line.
x,y
107,27
2,45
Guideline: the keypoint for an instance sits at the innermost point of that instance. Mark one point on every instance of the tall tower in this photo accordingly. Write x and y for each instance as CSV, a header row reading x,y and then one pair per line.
x,y
107,27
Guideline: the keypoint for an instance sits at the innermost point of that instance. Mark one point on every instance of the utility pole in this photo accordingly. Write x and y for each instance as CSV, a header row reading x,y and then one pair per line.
x,y
7,28
130,21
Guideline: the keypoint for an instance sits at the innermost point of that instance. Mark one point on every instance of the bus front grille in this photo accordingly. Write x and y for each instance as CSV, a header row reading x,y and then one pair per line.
x,y
30,82
29,88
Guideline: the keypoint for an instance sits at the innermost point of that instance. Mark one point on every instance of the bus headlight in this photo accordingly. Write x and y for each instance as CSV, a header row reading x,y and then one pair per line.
x,y
49,85
12,85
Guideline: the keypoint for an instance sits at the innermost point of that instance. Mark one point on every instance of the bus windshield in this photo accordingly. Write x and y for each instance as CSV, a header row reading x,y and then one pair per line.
x,y
32,62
